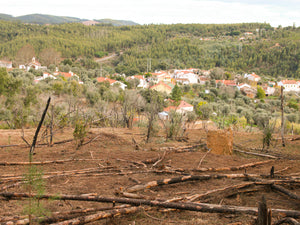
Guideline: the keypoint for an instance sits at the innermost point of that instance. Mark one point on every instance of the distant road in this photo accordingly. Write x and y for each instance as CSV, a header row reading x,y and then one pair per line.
x,y
107,57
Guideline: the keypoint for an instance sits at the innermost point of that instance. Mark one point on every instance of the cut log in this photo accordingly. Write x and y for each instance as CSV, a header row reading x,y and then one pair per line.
x,y
285,191
60,216
256,154
5,146
200,207
295,139
45,162
99,216
133,162
228,188
275,187
233,168
185,179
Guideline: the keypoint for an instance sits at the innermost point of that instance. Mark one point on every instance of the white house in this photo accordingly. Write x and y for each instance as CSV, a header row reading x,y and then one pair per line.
x,y
186,76
289,85
252,77
268,90
142,81
45,76
239,86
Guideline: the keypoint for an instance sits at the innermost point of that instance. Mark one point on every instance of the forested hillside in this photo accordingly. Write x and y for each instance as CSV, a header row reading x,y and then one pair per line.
x,y
265,50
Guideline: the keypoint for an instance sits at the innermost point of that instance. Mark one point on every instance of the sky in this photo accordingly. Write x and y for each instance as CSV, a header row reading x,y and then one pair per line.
x,y
274,12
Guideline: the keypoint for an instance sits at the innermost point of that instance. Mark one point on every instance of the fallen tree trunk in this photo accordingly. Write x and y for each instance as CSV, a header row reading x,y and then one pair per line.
x,y
99,216
60,216
275,187
45,162
185,179
5,146
200,207
285,191
232,168
228,188
256,154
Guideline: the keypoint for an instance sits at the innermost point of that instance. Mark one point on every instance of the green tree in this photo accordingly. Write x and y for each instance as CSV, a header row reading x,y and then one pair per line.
x,y
4,81
176,93
260,92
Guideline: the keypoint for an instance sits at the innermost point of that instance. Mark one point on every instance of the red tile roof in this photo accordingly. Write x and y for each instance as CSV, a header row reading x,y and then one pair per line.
x,y
161,83
289,82
255,75
64,74
227,82
103,79
182,104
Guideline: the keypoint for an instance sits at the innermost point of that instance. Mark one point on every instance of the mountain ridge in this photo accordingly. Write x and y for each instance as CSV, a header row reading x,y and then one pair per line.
x,y
43,19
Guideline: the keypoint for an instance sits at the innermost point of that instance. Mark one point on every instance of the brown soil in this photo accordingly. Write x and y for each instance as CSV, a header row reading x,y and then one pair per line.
x,y
114,150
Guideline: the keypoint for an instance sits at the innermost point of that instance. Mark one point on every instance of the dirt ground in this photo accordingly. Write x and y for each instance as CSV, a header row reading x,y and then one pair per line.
x,y
114,164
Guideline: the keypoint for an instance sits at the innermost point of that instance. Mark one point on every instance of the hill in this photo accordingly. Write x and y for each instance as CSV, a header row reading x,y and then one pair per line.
x,y
6,17
47,19
117,22
246,47
50,19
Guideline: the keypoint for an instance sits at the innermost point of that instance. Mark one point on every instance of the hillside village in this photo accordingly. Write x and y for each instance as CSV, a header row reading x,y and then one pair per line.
x,y
164,81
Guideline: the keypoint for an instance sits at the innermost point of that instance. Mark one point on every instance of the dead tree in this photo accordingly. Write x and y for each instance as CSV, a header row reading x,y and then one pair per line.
x,y
282,117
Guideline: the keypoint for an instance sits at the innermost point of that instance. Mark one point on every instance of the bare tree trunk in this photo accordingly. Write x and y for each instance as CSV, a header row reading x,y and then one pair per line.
x,y
51,126
282,118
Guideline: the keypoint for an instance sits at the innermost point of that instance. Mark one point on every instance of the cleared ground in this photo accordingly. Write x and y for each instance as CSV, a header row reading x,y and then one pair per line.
x,y
110,164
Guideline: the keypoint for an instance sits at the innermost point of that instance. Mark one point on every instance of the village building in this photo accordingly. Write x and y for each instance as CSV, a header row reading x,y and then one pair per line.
x,y
231,83
186,76
203,80
268,90
249,91
6,64
161,76
242,85
289,85
163,87
252,77
45,76
182,108
69,76
111,82
34,64
142,81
